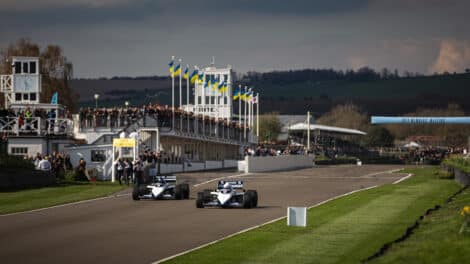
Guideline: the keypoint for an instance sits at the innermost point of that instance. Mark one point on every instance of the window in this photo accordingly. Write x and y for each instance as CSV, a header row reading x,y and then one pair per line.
x,y
25,97
32,97
17,67
98,155
17,96
32,67
19,151
25,67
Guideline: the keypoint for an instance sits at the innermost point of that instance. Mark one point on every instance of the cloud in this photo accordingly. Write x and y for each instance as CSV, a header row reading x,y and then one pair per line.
x,y
454,56
356,62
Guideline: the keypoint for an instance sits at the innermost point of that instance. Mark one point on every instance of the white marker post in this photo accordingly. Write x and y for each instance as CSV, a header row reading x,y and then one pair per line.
x,y
297,216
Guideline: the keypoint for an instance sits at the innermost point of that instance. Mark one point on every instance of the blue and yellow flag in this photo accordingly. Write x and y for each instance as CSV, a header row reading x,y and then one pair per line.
x,y
209,82
193,77
215,84
201,78
177,70
236,94
171,67
245,95
221,86
186,73
225,88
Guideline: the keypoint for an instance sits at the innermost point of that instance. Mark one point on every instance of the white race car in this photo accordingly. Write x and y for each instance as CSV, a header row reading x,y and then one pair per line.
x,y
163,187
228,194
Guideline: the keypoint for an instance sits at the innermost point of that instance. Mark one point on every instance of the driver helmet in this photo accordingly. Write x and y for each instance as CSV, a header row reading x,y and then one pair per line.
x,y
227,185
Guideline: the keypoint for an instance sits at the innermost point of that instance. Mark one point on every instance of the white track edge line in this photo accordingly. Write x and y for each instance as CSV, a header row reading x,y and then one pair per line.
x,y
269,222
403,178
254,227
66,204
220,178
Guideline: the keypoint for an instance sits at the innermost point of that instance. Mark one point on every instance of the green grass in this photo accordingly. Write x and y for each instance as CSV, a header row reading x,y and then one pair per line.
x,y
24,200
346,230
437,240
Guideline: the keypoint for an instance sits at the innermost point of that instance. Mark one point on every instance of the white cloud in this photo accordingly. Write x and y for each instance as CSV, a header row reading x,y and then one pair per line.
x,y
356,62
454,56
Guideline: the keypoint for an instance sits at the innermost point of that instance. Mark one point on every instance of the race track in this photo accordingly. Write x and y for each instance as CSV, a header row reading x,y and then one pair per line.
x,y
120,230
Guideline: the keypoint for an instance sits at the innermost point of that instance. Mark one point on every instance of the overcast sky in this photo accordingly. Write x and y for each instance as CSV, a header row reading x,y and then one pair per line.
x,y
137,37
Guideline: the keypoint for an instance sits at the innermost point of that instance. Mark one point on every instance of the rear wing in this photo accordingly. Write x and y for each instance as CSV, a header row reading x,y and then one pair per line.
x,y
167,179
234,184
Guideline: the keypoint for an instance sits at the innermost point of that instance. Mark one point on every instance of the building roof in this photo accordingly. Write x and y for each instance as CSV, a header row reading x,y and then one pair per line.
x,y
339,130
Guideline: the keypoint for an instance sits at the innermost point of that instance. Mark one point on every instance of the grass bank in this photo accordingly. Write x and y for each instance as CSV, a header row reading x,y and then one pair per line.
x,y
18,201
346,230
437,240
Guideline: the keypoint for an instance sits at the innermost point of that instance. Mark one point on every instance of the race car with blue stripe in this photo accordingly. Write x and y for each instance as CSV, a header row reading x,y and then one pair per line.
x,y
229,194
162,187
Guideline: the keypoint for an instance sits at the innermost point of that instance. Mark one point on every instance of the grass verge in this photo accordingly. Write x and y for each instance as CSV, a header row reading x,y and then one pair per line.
x,y
345,230
24,200
437,239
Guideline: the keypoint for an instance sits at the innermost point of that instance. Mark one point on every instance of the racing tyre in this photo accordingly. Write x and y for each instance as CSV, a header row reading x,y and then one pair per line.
x,y
178,192
200,200
185,190
135,193
248,199
254,201
207,195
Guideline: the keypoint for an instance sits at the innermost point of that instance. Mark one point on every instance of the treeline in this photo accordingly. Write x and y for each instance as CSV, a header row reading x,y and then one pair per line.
x,y
153,77
363,74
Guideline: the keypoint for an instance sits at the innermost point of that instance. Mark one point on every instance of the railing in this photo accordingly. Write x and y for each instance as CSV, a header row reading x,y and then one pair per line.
x,y
187,125
36,126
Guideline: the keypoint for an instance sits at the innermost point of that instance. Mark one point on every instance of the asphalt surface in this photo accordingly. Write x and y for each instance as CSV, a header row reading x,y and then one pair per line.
x,y
120,230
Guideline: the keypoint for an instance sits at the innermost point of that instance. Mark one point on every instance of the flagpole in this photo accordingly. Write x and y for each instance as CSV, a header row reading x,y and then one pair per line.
x,y
181,93
257,115
239,106
173,96
181,101
187,86
244,115
187,96
249,113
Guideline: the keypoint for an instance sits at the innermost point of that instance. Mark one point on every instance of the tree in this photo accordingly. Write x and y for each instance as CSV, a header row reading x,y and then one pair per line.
x,y
269,127
56,70
378,136
347,115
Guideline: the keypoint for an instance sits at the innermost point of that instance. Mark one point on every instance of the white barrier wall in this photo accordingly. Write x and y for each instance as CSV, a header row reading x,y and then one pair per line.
x,y
195,166
277,163
230,163
169,168
212,164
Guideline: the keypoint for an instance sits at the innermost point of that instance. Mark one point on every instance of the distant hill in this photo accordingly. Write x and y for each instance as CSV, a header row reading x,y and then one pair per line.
x,y
295,92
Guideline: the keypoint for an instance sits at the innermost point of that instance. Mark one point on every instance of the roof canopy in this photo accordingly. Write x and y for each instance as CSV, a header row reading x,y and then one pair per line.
x,y
313,127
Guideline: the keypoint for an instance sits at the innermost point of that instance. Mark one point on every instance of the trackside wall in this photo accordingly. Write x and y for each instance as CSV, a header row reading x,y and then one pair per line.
x,y
277,163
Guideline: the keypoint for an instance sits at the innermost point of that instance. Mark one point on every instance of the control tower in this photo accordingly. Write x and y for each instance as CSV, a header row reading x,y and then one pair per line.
x,y
23,86
209,99
31,126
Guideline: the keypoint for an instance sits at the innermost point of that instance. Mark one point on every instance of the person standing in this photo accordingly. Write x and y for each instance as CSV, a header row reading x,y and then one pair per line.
x,y
45,165
138,169
120,169
128,172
